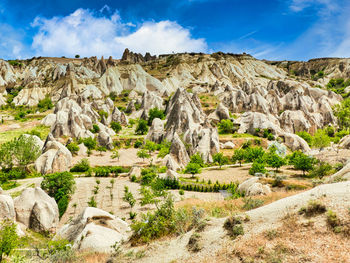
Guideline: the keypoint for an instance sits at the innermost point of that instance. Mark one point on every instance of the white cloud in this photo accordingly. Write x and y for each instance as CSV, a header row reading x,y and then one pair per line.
x,y
10,42
86,33
327,5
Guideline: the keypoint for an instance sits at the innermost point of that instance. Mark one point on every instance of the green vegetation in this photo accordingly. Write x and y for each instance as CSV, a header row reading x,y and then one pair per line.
x,y
129,198
8,238
141,128
155,113
116,126
45,104
73,148
60,186
226,127
95,128
234,226
338,86
239,156
82,166
258,166
301,161
192,168
306,136
220,159
342,112
89,142
313,208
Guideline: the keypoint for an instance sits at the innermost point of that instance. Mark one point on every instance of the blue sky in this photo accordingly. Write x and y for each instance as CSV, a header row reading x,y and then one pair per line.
x,y
267,29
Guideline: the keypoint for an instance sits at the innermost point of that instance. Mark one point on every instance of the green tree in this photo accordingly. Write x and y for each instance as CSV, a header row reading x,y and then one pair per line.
x,y
8,238
58,186
342,112
239,156
306,136
226,126
321,169
192,168
220,159
45,104
116,126
321,139
257,167
150,147
143,154
73,148
141,127
301,161
129,198
101,149
197,158
115,155
90,143
254,153
274,160
155,113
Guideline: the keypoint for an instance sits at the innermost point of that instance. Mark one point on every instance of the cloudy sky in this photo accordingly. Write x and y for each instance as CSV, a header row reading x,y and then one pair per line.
x,y
267,29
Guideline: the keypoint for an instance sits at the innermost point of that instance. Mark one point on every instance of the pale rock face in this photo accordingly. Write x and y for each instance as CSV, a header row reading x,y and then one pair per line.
x,y
49,120
170,163
37,140
30,96
95,230
252,187
119,116
294,142
36,210
229,145
156,132
55,157
171,174
178,151
345,142
7,74
104,139
250,121
82,150
135,170
243,187
294,121
7,208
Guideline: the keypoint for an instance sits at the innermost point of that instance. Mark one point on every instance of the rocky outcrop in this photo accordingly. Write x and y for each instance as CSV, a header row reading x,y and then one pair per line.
x,y
7,208
136,57
36,210
156,132
252,187
118,116
95,230
294,142
345,142
55,157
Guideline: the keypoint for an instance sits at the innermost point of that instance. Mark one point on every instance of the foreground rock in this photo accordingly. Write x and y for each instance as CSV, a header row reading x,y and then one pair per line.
x,y
252,187
55,157
95,230
37,210
7,208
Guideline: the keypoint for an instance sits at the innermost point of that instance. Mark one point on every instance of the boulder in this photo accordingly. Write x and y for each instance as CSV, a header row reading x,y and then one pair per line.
x,y
178,152
170,163
156,132
55,157
345,142
243,187
95,230
228,145
49,120
171,174
7,208
37,210
295,142
104,139
135,170
82,150
258,189
38,142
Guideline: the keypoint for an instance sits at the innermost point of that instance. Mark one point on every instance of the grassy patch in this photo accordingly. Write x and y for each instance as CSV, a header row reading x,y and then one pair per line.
x,y
10,135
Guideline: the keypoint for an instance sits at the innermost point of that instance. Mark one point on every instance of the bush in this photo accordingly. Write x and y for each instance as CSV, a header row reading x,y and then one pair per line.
x,y
306,136
90,143
181,192
226,126
192,168
138,144
254,153
45,104
234,226
155,113
141,128
95,128
321,139
239,156
301,161
220,159
274,160
73,148
116,126
313,208
58,186
257,167
82,166
250,203
8,238
321,169
197,158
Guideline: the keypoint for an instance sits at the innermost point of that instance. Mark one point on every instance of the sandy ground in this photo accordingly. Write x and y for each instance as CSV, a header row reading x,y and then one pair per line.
x,y
128,157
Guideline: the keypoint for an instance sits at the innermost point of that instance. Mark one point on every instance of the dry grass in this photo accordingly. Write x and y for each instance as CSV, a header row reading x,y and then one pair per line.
x,y
295,241
92,257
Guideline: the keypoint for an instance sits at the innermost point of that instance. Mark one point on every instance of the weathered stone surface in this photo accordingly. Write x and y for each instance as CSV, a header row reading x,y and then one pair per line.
x,y
7,208
36,210
156,132
95,230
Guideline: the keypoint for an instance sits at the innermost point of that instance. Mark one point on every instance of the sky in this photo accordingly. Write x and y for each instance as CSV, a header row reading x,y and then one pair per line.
x,y
266,29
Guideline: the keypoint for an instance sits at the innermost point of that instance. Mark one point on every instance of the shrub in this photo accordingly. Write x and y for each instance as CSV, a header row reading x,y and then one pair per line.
x,y
181,192
274,160
58,186
8,238
332,219
141,127
90,143
92,202
321,139
73,148
301,161
234,226
103,114
226,126
250,203
257,167
116,126
313,208
254,153
306,136
138,144
143,154
192,168
220,159
239,156
197,158
45,104
321,169
95,128
82,166
155,113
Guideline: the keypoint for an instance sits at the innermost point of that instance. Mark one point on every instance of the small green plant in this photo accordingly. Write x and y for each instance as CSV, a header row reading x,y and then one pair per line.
x,y
73,148
192,168
226,127
234,226
181,192
220,159
129,198
155,113
8,238
116,127
141,128
313,207
95,128
332,219
82,166
250,203
92,202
